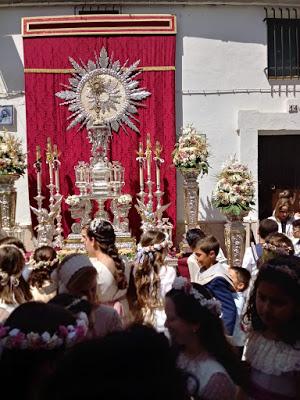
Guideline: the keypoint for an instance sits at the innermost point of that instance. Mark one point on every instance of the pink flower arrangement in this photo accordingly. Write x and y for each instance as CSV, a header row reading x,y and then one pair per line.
x,y
66,335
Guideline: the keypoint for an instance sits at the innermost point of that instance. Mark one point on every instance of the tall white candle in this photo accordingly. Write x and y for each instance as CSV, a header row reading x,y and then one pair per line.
x,y
149,169
51,171
39,181
57,179
141,176
157,174
56,165
140,154
148,156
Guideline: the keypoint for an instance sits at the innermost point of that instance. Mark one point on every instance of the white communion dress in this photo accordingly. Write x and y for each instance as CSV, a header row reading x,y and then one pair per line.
x,y
275,368
108,291
157,316
207,378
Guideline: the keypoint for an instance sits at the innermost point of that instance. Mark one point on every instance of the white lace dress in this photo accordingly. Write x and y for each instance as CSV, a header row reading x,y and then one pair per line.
x,y
275,368
208,379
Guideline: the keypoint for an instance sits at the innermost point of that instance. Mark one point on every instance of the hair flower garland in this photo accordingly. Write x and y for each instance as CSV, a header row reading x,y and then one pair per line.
x,y
66,335
212,305
33,264
149,250
12,157
281,250
234,192
191,151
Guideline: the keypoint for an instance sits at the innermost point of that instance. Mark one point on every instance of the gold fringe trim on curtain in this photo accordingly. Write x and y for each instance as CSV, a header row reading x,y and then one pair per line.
x,y
69,71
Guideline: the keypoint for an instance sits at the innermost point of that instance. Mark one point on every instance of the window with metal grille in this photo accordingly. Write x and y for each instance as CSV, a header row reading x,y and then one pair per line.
x,y
283,48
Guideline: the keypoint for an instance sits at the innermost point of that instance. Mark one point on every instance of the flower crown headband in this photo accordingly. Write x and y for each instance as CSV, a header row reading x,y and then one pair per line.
x,y
149,250
68,335
95,223
42,264
5,277
213,305
280,249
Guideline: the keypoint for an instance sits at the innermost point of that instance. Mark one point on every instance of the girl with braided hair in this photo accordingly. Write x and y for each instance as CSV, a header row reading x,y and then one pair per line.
x,y
14,290
151,279
99,239
43,263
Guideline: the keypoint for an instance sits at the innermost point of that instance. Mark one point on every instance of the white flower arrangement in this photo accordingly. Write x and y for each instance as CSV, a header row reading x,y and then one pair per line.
x,y
234,192
191,151
12,157
125,199
73,200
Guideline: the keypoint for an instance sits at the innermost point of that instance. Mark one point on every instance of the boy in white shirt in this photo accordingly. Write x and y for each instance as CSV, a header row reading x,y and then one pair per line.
x,y
241,279
254,252
296,237
193,236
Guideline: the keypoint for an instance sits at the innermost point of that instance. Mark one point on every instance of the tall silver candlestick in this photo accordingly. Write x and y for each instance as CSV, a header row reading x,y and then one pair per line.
x,y
158,193
59,240
151,217
49,161
149,183
141,160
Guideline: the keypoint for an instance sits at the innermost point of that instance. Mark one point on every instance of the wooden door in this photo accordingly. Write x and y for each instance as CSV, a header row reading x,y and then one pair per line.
x,y
278,170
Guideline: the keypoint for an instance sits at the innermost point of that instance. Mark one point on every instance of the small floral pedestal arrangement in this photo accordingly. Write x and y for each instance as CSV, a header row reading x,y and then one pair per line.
x,y
124,203
124,242
234,197
80,208
190,157
12,166
76,208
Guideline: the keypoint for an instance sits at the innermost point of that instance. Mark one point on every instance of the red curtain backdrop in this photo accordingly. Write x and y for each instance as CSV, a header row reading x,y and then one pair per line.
x,y
47,118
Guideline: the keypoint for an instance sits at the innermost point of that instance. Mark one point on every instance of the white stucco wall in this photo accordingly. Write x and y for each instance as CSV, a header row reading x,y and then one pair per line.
x,y
220,50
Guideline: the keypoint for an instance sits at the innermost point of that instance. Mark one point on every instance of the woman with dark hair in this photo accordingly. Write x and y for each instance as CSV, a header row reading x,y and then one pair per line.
x,y
194,323
99,239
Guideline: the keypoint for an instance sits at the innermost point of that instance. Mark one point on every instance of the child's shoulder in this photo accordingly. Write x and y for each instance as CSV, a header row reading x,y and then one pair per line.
x,y
272,357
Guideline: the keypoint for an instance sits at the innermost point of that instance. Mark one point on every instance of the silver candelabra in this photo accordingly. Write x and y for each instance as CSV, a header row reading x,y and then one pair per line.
x,y
49,228
151,216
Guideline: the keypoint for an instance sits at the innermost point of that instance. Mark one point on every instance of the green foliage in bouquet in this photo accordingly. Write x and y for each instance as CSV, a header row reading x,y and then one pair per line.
x,y
234,192
12,158
191,151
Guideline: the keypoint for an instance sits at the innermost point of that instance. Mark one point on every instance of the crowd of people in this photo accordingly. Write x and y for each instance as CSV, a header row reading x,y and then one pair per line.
x,y
98,326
